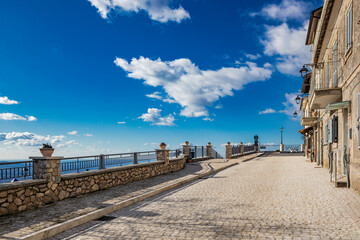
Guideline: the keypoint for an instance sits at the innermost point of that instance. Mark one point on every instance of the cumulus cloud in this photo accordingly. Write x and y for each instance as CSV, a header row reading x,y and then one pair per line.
x,y
153,115
5,100
286,10
158,10
31,118
73,133
208,119
121,122
13,116
288,44
252,56
28,139
267,111
156,95
187,85
67,144
290,104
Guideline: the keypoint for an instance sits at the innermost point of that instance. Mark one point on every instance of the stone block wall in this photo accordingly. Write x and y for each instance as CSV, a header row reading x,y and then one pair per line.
x,y
29,194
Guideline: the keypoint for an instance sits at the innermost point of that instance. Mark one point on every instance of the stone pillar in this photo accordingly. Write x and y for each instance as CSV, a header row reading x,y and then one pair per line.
x,y
242,148
209,150
302,148
48,168
163,155
187,149
281,147
228,150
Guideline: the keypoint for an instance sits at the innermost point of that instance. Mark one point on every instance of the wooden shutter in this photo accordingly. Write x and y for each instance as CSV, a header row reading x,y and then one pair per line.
x,y
335,129
330,131
326,133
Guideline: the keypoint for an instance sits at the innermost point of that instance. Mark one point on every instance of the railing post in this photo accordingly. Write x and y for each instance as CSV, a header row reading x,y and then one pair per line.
x,y
209,150
163,154
241,148
135,158
281,147
187,149
195,153
48,168
228,150
101,161
202,151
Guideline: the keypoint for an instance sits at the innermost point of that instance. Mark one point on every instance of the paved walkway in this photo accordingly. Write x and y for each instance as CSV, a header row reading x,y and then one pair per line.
x,y
274,197
19,225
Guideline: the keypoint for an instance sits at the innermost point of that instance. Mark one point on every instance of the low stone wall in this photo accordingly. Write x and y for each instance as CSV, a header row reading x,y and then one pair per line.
x,y
29,194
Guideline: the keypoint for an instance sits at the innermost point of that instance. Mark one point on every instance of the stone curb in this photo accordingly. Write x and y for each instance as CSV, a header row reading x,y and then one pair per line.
x,y
61,227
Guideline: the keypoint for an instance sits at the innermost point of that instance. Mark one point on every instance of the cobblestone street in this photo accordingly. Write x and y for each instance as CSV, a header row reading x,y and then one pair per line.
x,y
273,197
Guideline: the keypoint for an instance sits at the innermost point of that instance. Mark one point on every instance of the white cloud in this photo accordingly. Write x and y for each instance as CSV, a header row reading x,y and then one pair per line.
x,y
67,144
290,104
268,110
88,135
153,115
219,106
253,57
73,133
286,10
158,10
121,122
288,44
155,95
5,100
187,85
13,116
208,119
32,118
28,139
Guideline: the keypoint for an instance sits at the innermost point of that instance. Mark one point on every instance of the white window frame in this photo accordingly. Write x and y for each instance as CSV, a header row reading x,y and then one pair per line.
x,y
349,28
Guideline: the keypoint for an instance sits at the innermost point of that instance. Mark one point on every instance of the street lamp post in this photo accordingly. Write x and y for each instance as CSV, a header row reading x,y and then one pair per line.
x,y
281,145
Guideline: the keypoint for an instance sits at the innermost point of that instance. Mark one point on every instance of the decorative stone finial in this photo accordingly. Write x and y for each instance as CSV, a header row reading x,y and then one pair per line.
x,y
162,145
209,143
228,143
186,143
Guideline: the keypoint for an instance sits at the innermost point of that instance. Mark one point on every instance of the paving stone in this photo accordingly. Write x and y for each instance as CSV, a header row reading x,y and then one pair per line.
x,y
273,197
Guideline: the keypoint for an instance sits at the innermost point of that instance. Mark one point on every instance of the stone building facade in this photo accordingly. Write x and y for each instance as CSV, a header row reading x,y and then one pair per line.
x,y
331,107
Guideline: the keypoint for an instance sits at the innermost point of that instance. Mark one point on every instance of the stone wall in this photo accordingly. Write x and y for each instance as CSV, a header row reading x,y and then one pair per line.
x,y
29,194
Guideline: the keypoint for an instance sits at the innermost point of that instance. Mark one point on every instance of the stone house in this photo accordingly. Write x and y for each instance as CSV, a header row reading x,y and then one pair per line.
x,y
331,107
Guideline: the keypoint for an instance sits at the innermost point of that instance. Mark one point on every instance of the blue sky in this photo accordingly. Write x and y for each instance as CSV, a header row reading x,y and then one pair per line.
x,y
99,76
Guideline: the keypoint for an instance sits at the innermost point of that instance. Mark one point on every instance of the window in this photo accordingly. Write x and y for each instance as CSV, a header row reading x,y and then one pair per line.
x,y
326,133
349,28
335,129
327,75
335,65
330,131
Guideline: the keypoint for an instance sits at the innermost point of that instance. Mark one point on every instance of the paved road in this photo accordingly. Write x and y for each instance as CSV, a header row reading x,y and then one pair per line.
x,y
274,197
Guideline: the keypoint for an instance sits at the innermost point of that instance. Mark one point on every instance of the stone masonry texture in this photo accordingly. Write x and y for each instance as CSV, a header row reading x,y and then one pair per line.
x,y
24,195
274,197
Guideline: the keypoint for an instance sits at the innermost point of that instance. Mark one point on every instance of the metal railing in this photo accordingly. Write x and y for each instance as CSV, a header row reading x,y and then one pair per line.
x,y
198,152
20,170
236,149
292,148
339,166
216,155
86,163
